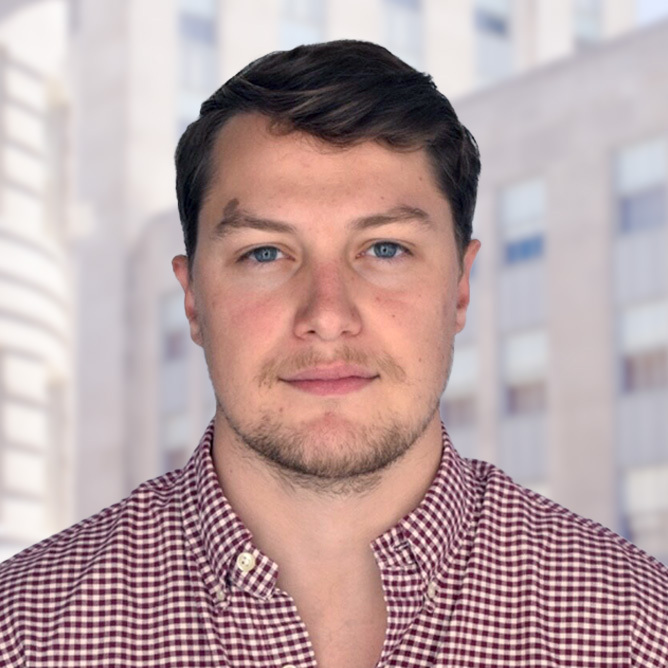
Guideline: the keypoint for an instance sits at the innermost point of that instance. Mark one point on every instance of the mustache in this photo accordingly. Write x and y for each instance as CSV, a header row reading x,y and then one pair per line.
x,y
274,369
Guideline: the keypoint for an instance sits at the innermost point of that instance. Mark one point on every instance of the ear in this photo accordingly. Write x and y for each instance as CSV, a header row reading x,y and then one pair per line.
x,y
464,284
183,274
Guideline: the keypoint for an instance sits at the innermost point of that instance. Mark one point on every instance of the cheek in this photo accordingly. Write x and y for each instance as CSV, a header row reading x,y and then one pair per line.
x,y
413,324
236,319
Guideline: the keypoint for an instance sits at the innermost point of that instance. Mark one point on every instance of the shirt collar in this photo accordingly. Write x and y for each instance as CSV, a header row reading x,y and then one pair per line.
x,y
430,535
217,534
427,537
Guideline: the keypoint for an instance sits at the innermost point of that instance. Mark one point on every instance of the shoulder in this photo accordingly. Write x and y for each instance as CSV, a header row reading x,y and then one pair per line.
x,y
153,504
580,568
111,551
552,532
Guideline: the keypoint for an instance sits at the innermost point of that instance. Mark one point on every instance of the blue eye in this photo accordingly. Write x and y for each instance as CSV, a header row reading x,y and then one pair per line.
x,y
264,254
387,249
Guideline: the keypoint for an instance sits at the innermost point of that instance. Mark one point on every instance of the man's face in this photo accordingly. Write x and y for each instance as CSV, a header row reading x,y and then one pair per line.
x,y
326,291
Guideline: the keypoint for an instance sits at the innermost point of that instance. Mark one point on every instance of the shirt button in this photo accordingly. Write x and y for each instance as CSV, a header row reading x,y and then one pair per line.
x,y
289,665
431,590
220,595
245,562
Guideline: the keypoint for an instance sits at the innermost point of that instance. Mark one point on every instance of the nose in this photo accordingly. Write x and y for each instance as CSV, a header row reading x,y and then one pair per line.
x,y
328,308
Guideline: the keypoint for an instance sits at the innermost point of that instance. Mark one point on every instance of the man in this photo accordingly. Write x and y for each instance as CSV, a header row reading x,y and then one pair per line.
x,y
326,196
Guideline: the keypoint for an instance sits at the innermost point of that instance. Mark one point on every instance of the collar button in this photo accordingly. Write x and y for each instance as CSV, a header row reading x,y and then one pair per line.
x,y
245,562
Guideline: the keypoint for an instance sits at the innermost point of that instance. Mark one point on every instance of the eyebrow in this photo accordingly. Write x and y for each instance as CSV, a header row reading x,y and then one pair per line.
x,y
235,217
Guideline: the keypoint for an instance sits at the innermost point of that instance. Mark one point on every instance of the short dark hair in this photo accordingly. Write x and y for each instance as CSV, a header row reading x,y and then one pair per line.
x,y
342,92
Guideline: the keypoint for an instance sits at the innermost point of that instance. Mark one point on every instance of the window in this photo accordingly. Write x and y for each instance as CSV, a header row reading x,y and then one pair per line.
x,y
645,370
493,39
522,221
194,28
488,22
526,398
173,327
458,405
645,499
174,390
524,366
176,440
587,22
403,30
644,346
174,354
640,179
198,55
643,210
459,412
523,443
524,249
302,22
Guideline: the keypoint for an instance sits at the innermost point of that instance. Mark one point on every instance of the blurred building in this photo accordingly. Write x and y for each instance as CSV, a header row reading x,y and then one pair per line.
x,y
563,376
36,468
543,338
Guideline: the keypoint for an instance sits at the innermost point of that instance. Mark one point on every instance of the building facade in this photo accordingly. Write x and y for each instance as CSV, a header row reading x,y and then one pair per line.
x,y
563,377
36,310
556,377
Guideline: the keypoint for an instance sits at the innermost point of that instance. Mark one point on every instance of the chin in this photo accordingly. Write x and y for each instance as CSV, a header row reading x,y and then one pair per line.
x,y
331,446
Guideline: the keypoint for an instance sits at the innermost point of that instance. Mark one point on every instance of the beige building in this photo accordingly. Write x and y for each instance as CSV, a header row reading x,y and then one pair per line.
x,y
537,81
36,467
563,376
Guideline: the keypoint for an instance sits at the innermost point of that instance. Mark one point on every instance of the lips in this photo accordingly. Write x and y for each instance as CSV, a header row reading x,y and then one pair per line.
x,y
334,379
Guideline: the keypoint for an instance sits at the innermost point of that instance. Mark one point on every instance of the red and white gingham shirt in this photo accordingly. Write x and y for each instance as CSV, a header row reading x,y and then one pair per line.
x,y
482,573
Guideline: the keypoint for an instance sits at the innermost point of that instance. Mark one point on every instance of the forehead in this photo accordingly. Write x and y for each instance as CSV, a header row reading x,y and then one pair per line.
x,y
252,141
294,174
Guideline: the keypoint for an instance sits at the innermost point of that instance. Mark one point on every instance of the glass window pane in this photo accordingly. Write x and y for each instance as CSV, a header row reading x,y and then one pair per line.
x,y
646,489
641,167
459,412
176,431
464,373
524,249
525,356
203,8
522,208
196,29
644,327
643,210
303,11
403,30
491,23
587,21
526,398
645,371
498,7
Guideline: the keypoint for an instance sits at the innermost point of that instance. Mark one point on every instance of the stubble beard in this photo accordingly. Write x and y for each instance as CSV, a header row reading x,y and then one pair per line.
x,y
340,459
333,455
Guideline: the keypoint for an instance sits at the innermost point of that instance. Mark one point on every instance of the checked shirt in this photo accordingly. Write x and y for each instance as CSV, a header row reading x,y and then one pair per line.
x,y
483,573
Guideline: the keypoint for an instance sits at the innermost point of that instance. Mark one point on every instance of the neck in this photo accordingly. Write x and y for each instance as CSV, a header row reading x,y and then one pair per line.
x,y
295,521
